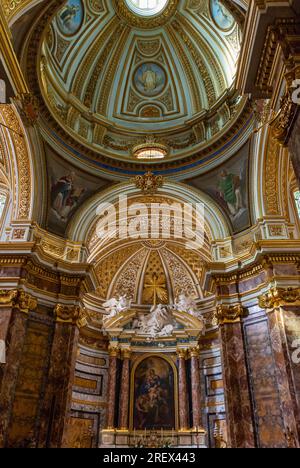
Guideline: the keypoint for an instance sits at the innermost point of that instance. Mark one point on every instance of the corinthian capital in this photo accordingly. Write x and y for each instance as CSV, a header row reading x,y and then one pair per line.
x,y
227,314
8,297
19,299
26,302
279,297
74,315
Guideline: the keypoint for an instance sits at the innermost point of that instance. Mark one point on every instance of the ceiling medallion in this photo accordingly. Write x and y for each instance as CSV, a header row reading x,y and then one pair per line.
x,y
150,150
143,18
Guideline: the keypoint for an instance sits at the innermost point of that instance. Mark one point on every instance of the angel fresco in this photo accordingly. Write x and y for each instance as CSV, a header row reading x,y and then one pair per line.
x,y
65,195
70,17
230,190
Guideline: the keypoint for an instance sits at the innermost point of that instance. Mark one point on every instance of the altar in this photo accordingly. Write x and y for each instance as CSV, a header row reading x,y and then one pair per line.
x,y
154,379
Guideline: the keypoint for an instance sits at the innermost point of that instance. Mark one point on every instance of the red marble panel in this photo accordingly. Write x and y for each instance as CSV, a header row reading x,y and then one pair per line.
x,y
266,398
237,394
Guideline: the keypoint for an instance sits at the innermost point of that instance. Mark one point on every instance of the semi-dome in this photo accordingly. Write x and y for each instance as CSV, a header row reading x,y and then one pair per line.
x,y
117,74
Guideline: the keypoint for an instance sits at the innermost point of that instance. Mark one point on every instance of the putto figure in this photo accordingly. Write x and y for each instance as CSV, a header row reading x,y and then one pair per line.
x,y
115,306
188,305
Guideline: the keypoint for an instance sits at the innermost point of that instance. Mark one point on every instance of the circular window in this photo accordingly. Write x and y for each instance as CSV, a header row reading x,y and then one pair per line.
x,y
146,7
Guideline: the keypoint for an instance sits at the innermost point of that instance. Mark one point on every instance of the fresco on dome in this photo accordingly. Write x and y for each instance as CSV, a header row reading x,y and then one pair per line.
x,y
68,189
70,17
221,15
228,186
150,79
154,403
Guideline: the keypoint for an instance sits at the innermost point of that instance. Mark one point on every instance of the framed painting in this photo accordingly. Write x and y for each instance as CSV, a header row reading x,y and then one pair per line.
x,y
154,397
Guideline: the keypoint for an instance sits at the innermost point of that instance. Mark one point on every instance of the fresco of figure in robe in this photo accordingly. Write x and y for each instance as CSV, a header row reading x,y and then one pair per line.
x,y
65,196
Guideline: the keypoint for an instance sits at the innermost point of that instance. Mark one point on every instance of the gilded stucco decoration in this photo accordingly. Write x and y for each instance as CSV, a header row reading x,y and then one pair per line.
x,y
19,153
117,76
151,273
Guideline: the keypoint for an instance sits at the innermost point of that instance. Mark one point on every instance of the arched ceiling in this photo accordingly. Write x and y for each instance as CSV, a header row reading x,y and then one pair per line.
x,y
112,78
150,271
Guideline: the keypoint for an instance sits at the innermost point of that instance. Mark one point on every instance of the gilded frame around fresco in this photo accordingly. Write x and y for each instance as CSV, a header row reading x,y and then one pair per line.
x,y
133,371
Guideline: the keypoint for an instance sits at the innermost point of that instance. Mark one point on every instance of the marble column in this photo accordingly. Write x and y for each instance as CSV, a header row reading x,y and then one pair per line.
x,y
183,390
58,395
196,387
283,309
112,382
235,374
125,390
16,307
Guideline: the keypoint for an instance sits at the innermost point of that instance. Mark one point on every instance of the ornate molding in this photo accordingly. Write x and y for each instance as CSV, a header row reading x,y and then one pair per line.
x,y
149,183
28,107
279,297
26,303
156,21
23,179
18,299
228,314
283,121
73,315
7,298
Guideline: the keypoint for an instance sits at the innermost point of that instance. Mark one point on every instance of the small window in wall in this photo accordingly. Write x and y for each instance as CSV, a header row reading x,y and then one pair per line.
x,y
2,205
297,200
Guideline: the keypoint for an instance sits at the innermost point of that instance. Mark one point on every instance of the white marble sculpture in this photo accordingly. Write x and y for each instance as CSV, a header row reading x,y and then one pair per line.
x,y
115,306
158,323
188,305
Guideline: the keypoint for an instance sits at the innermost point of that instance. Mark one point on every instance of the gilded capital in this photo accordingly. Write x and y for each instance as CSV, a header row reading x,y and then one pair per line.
x,y
8,298
126,353
227,314
194,351
18,299
113,350
279,297
71,314
26,302
181,353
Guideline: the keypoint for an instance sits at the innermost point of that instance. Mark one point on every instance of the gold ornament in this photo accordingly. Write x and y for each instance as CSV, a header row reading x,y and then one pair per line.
x,y
71,314
277,297
227,314
149,183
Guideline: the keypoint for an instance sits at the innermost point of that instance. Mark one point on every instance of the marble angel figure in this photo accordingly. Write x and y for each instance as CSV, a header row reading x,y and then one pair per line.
x,y
115,306
188,305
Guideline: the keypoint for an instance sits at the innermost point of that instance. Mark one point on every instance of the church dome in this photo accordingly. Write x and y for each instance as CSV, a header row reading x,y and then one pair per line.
x,y
117,74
